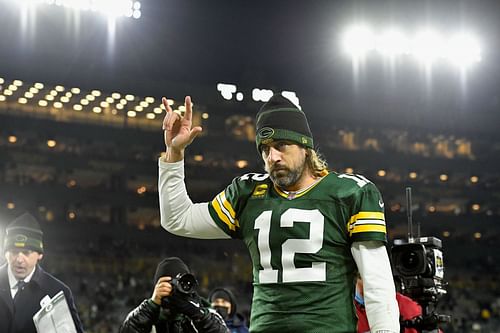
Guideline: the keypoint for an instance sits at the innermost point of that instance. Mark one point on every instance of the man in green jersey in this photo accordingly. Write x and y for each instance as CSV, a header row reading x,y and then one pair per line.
x,y
308,230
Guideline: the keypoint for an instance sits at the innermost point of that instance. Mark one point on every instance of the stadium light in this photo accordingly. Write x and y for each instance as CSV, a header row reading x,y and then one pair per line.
x,y
427,46
358,41
292,96
261,95
91,101
392,42
226,90
463,50
110,8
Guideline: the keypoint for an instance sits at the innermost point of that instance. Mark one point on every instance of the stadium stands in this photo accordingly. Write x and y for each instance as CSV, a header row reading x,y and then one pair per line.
x,y
91,179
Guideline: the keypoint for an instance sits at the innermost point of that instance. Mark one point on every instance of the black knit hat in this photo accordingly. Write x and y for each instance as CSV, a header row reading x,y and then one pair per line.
x,y
24,233
225,294
280,119
170,267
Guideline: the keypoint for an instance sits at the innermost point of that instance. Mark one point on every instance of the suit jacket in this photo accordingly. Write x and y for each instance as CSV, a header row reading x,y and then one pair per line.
x,y
18,317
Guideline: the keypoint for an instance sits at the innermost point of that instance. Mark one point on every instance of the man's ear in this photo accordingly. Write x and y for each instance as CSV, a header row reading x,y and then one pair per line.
x,y
40,256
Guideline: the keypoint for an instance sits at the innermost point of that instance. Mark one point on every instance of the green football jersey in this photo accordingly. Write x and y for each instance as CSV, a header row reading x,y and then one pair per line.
x,y
300,247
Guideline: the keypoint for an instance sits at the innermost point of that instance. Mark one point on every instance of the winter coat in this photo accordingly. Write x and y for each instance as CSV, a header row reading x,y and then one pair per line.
x,y
16,316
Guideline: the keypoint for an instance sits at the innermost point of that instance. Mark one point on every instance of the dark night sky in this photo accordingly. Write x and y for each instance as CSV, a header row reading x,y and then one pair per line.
x,y
182,47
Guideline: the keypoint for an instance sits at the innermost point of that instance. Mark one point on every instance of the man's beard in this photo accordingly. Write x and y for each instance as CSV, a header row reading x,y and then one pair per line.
x,y
285,177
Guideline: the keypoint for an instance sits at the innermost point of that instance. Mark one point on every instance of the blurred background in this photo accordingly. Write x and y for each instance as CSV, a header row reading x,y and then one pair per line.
x,y
405,93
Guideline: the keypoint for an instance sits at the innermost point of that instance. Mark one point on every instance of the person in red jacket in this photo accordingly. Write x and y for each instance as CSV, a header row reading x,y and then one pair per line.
x,y
408,309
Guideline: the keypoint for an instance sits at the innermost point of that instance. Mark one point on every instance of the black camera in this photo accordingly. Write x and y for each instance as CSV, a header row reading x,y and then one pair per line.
x,y
422,258
418,267
184,283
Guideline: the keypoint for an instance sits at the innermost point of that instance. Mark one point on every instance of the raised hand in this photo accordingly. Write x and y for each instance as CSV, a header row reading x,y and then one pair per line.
x,y
163,288
178,130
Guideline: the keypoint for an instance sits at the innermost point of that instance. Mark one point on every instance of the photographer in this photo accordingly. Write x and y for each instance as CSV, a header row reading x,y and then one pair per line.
x,y
175,307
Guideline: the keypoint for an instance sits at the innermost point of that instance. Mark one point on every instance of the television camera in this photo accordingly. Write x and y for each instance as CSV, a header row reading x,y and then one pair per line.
x,y
418,268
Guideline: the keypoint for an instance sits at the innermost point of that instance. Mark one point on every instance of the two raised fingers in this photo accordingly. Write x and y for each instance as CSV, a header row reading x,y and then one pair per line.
x,y
172,116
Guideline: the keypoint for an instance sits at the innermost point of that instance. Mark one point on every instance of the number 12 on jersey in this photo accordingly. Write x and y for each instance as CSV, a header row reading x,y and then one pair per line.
x,y
317,271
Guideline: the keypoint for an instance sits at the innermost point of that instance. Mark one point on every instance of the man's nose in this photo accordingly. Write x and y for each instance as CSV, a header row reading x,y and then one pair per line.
x,y
274,154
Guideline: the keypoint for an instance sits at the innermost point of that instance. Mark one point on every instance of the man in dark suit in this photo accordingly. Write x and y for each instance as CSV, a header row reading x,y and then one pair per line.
x,y
23,283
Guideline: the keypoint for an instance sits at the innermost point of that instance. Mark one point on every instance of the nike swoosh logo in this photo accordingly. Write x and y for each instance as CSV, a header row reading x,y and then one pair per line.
x,y
380,203
195,304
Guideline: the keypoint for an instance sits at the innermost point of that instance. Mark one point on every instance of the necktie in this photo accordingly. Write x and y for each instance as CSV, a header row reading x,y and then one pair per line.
x,y
20,286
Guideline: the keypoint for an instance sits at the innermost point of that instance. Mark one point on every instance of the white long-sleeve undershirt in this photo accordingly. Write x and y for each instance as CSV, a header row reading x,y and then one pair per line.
x,y
178,214
378,286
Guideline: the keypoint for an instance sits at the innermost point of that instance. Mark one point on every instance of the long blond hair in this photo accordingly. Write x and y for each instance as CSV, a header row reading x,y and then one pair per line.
x,y
316,163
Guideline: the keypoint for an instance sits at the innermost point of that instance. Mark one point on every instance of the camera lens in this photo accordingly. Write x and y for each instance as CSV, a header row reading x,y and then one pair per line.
x,y
186,285
411,260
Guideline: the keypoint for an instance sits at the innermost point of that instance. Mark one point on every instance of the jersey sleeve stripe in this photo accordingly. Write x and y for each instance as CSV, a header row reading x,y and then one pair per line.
x,y
368,228
222,216
225,211
366,222
360,222
367,215
227,204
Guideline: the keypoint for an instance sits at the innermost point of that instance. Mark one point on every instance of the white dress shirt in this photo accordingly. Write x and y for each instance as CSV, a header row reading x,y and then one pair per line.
x,y
13,281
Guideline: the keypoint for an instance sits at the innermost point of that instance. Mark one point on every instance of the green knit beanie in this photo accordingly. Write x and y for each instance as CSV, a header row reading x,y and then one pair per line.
x,y
280,119
24,233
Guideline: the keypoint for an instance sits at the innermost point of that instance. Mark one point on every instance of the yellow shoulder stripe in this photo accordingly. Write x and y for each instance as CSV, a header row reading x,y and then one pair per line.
x,y
227,204
221,215
368,228
225,211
